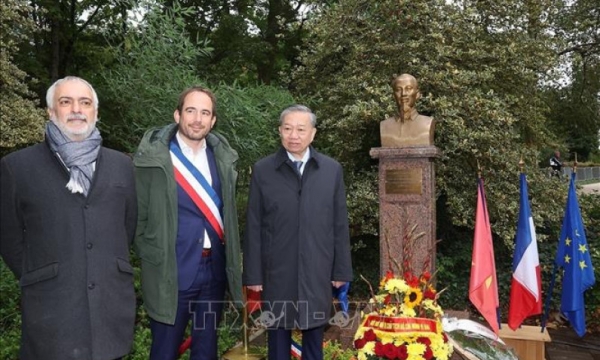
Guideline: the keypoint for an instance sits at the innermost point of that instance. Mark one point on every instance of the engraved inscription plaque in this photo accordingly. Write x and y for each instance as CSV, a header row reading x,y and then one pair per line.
x,y
404,181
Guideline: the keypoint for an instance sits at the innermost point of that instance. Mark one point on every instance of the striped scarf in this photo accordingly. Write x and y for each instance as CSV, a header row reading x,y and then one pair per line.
x,y
78,156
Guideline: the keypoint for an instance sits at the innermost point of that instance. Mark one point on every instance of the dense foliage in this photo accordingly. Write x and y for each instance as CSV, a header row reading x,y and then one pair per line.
x,y
21,121
504,79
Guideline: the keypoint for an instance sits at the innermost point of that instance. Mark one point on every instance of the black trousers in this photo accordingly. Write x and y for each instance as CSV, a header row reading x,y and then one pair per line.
x,y
280,343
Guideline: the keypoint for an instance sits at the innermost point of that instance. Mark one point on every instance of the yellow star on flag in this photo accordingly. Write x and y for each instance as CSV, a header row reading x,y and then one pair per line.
x,y
488,282
567,259
582,248
567,241
582,264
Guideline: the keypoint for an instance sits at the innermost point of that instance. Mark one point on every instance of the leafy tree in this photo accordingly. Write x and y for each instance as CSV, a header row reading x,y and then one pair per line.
x,y
575,115
21,122
73,37
575,101
253,40
155,63
479,67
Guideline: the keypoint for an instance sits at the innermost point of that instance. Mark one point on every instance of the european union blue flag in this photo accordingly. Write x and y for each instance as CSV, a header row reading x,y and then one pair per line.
x,y
573,256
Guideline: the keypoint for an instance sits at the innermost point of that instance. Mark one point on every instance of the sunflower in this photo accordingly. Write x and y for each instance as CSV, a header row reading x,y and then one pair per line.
x,y
413,297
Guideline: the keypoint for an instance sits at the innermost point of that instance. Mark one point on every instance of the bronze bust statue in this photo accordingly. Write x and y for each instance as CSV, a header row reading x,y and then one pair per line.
x,y
408,127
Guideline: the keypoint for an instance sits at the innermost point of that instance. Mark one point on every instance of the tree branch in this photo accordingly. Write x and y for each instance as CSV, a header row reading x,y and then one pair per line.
x,y
580,48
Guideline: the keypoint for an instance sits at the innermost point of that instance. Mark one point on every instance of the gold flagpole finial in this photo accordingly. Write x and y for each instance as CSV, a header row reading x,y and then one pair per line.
x,y
521,164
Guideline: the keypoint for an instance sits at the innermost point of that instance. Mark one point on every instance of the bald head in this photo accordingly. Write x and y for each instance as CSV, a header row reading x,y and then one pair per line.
x,y
406,93
405,79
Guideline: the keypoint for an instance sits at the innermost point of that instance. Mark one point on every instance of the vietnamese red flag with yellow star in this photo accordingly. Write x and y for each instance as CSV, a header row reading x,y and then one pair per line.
x,y
483,286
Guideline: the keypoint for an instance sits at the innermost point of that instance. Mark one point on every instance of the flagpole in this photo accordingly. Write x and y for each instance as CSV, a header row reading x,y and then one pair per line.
x,y
554,270
521,164
242,352
549,297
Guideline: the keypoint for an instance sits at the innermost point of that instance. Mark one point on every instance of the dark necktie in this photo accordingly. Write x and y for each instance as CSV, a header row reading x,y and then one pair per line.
x,y
298,166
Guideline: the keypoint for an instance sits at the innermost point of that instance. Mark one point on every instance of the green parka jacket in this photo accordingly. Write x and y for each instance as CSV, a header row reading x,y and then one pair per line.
x,y
157,220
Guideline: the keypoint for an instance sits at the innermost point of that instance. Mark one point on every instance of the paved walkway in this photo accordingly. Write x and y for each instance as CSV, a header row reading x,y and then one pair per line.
x,y
591,188
566,345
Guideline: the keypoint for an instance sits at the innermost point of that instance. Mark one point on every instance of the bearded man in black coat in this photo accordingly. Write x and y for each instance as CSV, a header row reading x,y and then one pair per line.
x,y
297,241
68,212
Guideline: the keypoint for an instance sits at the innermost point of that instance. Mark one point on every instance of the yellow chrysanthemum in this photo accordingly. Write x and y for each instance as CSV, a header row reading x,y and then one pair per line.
x,y
369,348
395,286
433,306
360,332
443,351
389,310
407,311
362,356
416,350
385,338
380,299
413,297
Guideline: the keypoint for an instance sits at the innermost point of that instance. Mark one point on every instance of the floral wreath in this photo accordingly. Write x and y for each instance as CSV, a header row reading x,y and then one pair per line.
x,y
404,321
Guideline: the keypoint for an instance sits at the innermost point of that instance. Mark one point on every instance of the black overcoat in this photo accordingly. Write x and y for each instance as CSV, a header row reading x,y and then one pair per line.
x,y
297,237
70,254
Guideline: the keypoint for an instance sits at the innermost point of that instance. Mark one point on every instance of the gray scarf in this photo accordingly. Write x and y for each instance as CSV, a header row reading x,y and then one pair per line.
x,y
78,156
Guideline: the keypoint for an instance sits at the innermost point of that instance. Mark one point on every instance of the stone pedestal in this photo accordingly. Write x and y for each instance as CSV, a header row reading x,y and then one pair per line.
x,y
406,199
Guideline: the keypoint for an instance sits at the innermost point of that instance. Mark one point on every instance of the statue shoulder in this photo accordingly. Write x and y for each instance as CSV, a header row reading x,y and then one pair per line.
x,y
389,122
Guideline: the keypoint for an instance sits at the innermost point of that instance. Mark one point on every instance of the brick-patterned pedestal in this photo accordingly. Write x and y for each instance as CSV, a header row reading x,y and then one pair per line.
x,y
406,199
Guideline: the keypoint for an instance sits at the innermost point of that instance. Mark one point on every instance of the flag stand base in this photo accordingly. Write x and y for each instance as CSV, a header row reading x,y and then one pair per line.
x,y
242,350
528,341
239,353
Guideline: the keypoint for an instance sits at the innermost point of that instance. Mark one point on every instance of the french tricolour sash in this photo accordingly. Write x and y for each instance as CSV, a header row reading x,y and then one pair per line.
x,y
198,189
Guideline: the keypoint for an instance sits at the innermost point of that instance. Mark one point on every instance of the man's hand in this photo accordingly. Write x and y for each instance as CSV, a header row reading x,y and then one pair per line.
x,y
338,284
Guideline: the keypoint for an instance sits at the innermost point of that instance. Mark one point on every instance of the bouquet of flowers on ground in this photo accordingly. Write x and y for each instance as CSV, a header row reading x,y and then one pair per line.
x,y
404,319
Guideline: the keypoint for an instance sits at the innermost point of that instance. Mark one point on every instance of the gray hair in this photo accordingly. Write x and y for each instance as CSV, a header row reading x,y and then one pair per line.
x,y
298,108
52,90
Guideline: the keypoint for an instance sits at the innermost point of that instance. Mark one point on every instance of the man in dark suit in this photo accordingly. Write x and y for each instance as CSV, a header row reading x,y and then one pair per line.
x,y
297,241
556,164
187,236
67,218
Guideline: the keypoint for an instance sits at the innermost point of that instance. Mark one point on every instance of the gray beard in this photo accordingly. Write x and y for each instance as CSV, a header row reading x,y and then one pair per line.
x,y
69,134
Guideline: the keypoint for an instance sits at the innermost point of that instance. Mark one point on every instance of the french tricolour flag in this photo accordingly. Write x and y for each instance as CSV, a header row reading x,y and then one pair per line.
x,y
526,286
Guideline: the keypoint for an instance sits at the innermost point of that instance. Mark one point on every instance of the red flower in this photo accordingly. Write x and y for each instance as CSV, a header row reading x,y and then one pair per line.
x,y
425,341
387,299
389,275
428,354
402,352
429,294
411,280
426,276
379,349
359,343
445,337
389,351
370,335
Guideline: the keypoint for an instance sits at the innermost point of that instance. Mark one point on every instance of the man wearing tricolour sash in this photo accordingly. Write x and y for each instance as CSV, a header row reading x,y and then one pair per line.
x,y
187,235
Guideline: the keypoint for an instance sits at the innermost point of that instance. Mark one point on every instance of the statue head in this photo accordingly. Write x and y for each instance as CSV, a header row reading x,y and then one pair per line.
x,y
406,94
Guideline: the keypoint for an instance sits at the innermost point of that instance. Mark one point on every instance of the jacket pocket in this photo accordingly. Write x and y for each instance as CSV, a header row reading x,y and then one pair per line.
x,y
124,266
150,253
42,274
